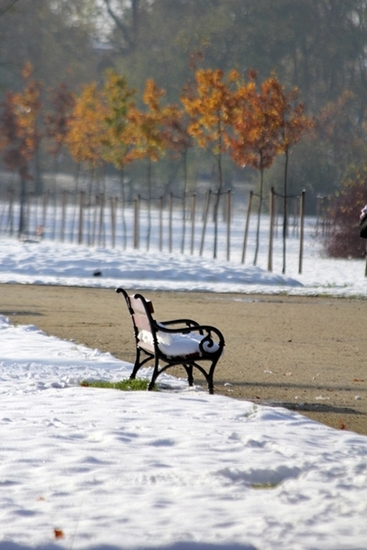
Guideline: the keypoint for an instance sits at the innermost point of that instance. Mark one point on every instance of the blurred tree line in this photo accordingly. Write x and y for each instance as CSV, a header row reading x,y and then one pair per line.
x,y
318,46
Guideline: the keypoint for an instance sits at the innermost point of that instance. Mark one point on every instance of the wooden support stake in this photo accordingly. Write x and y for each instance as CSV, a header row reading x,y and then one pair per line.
x,y
92,225
160,223
101,237
247,227
193,214
229,216
205,217
136,222
271,230
81,215
113,221
64,201
170,220
11,213
183,224
302,223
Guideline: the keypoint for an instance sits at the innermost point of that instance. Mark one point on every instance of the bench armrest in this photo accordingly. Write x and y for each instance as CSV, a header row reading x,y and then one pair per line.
x,y
187,322
209,339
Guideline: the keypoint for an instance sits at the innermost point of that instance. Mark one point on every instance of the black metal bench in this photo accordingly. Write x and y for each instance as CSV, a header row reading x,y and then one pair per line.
x,y
169,343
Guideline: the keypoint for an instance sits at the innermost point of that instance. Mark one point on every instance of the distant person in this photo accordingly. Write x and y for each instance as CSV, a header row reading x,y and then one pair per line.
x,y
363,222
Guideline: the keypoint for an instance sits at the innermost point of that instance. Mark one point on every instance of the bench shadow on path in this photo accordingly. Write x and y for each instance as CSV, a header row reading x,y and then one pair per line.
x,y
301,405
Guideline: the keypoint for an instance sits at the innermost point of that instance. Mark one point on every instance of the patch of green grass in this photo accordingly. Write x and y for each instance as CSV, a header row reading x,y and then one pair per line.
x,y
123,385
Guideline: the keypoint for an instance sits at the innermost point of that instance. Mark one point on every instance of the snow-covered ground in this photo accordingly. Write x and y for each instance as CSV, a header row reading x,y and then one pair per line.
x,y
84,468
52,262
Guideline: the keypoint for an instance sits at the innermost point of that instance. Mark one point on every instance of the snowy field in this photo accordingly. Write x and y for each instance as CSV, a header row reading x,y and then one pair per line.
x,y
84,468
52,262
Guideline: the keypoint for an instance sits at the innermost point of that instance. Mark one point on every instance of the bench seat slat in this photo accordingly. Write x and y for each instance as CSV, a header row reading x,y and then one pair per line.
x,y
141,322
146,346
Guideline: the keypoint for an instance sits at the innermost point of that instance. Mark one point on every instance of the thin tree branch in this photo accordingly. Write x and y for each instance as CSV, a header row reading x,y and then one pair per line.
x,y
10,5
123,28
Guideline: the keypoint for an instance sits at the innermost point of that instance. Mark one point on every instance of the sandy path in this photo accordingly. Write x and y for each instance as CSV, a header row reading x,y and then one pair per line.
x,y
307,354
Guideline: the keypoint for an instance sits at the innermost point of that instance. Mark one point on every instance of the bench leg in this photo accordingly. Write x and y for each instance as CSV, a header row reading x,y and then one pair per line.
x,y
136,365
154,375
139,363
210,377
190,377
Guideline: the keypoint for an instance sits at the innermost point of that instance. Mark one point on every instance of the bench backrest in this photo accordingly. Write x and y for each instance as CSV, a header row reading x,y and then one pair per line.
x,y
141,311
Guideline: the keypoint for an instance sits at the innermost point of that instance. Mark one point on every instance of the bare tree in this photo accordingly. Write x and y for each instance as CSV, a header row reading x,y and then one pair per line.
x,y
128,26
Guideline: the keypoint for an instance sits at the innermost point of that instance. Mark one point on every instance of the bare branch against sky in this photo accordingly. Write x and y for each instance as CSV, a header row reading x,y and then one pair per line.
x,y
6,5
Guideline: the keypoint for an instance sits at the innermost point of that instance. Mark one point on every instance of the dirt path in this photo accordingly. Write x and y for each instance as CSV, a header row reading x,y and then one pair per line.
x,y
307,354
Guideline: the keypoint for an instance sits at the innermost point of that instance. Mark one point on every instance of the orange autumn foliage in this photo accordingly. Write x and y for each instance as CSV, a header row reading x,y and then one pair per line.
x,y
118,133
19,131
254,140
86,126
267,122
62,101
210,107
149,126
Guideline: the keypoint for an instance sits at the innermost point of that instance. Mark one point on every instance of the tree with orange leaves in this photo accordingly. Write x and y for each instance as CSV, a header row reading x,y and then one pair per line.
x,y
267,122
148,133
20,135
179,140
57,121
209,104
117,138
293,124
119,100
255,138
100,129
86,126
148,137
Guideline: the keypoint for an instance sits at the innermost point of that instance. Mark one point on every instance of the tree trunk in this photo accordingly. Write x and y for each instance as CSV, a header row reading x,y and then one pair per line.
x,y
216,206
259,214
23,198
149,201
285,208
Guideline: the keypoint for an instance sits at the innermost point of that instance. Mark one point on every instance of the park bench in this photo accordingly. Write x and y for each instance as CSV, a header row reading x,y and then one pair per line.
x,y
169,343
